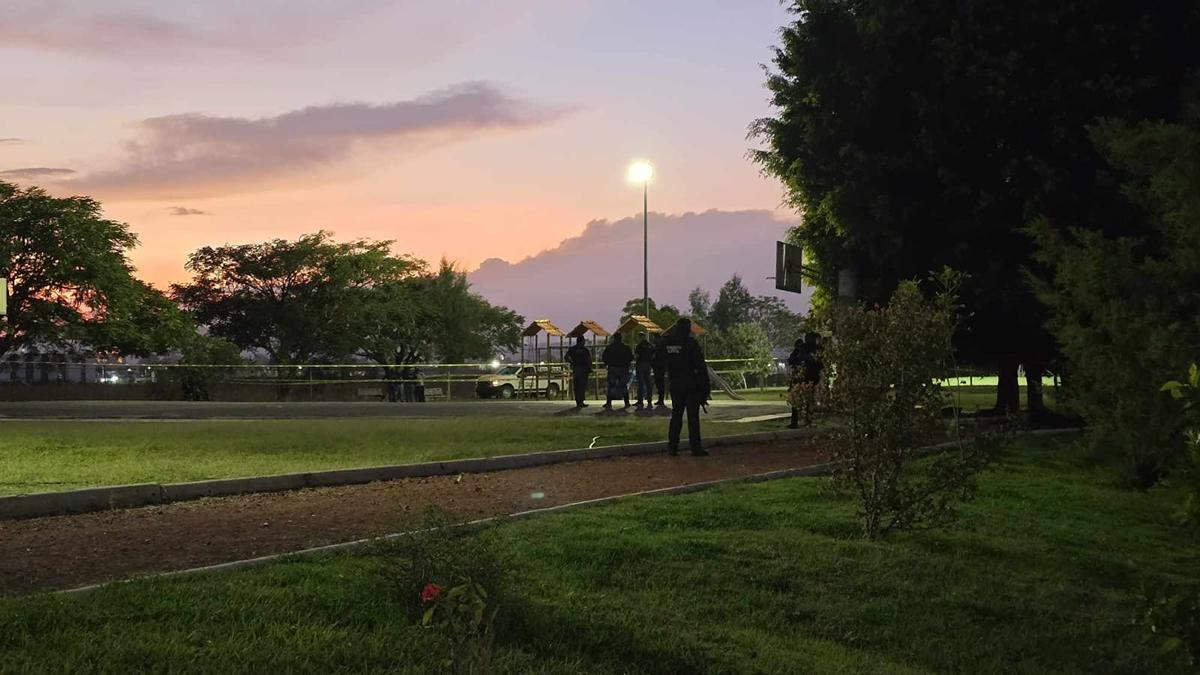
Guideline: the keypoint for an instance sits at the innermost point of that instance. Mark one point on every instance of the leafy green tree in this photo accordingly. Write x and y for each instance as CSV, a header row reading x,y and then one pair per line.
x,y
700,305
303,301
205,354
749,343
463,324
663,317
914,136
1126,302
782,325
734,305
71,279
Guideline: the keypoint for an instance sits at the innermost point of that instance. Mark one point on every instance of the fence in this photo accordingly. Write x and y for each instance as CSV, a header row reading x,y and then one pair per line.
x,y
58,379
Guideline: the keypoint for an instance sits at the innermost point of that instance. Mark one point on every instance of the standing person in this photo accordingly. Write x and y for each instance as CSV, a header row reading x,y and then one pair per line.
x,y
659,363
617,357
580,360
690,386
806,369
644,356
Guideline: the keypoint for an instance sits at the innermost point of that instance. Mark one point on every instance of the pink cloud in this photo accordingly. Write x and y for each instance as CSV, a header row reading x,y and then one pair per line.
x,y
195,155
34,173
590,276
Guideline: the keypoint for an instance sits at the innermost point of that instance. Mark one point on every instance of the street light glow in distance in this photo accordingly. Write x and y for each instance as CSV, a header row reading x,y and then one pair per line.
x,y
640,172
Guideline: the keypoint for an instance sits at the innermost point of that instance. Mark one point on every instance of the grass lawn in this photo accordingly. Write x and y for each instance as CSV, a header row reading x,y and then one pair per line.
x,y
40,456
969,398
1039,577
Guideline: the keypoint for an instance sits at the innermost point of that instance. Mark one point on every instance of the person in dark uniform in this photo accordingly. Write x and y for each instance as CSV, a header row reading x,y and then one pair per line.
x,y
617,357
806,369
690,386
580,360
643,355
659,363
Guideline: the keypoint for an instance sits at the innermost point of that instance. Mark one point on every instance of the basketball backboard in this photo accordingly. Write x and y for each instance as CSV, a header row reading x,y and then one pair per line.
x,y
789,267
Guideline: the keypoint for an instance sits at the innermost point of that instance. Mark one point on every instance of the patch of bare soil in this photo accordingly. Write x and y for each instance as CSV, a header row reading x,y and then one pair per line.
x,y
69,551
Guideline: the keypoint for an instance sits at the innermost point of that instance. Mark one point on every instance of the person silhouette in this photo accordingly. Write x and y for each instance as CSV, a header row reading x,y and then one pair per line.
x,y
617,357
579,357
690,386
644,356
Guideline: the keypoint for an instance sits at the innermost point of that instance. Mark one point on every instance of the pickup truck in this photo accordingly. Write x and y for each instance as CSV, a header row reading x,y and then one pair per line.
x,y
533,381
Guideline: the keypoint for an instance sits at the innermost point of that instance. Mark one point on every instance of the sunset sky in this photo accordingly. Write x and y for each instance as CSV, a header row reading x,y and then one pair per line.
x,y
463,128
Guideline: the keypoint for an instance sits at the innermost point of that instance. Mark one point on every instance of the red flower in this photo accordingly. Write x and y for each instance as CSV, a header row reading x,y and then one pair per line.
x,y
430,592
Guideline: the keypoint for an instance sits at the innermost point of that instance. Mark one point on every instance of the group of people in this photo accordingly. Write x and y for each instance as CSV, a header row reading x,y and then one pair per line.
x,y
676,358
673,357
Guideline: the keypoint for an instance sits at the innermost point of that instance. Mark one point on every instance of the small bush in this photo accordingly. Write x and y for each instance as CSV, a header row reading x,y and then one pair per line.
x,y
1172,616
450,582
1187,472
886,363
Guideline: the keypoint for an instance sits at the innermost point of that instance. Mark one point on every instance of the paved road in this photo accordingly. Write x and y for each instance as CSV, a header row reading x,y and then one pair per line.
x,y
184,410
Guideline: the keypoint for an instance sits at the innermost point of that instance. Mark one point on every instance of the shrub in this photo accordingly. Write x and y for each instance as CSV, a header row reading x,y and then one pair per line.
x,y
1172,616
205,354
1188,471
452,583
886,363
1124,305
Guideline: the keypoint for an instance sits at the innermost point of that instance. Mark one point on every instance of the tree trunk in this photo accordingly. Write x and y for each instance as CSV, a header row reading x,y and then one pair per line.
x,y
1033,388
1008,391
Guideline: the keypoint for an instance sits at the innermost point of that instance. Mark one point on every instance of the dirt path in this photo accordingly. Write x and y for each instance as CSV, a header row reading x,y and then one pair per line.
x,y
69,551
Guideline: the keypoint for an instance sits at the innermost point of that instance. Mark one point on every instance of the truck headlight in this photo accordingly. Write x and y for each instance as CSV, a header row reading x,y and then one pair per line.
x,y
495,383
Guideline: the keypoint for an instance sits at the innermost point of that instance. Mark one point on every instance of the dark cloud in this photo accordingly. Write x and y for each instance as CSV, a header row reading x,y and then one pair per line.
x,y
592,275
194,155
36,173
185,211
11,141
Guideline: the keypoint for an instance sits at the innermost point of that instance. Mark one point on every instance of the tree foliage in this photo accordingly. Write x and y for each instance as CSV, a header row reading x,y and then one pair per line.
x,y
663,317
733,305
72,281
749,343
463,324
316,300
1126,302
914,136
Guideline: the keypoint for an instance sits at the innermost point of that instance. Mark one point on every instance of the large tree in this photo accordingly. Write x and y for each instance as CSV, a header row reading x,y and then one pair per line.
x,y
71,280
914,136
464,324
316,300
302,301
664,317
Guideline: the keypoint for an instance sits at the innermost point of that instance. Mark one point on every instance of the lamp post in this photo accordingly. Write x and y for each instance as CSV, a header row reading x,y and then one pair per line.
x,y
642,172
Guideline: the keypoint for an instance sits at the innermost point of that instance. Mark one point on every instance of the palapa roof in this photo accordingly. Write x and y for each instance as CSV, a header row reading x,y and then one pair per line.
x,y
639,322
588,326
542,325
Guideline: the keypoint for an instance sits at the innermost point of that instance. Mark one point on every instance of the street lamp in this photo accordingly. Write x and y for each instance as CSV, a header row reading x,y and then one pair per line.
x,y
641,172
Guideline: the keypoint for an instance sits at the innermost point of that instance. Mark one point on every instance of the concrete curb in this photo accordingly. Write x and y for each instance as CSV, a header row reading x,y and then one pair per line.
x,y
147,494
811,470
